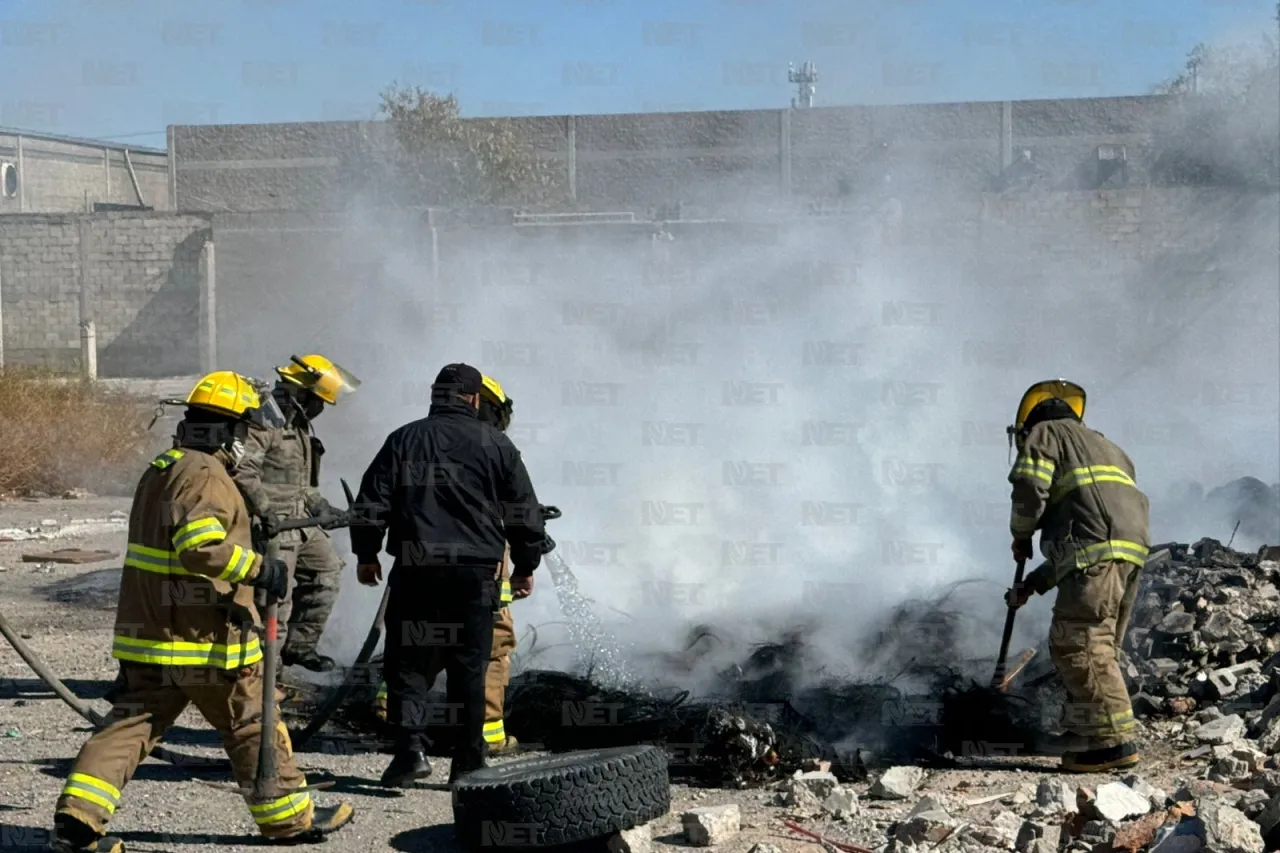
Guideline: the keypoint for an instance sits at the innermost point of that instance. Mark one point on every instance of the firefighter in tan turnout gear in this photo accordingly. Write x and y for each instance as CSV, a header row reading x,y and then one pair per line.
x,y
279,476
495,408
1078,489
185,629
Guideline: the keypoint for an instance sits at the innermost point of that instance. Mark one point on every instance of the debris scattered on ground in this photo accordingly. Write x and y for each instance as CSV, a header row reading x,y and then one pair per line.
x,y
73,556
711,826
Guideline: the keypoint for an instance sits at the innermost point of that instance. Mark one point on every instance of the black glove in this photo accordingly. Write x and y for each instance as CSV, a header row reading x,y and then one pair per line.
x,y
273,579
548,544
270,520
323,508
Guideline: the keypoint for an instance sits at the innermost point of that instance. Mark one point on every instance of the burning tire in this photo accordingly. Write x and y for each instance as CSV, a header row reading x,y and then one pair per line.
x,y
559,799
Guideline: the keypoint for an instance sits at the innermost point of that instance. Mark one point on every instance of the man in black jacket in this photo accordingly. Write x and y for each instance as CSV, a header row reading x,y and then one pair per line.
x,y
450,492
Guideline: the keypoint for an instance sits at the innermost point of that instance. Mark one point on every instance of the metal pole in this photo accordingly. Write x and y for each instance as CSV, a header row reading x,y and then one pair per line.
x,y
208,309
106,171
22,179
133,176
172,145
88,337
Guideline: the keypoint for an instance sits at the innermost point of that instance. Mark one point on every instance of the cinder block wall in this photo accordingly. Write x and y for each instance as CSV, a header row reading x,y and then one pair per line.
x,y
713,159
142,283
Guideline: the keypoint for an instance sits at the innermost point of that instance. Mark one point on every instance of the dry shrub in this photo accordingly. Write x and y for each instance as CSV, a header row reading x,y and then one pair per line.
x,y
58,434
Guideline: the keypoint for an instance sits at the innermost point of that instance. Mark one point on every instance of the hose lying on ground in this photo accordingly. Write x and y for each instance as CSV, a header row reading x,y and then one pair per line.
x,y
343,690
99,722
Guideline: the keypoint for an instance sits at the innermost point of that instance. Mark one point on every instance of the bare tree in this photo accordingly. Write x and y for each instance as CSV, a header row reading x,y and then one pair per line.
x,y
438,158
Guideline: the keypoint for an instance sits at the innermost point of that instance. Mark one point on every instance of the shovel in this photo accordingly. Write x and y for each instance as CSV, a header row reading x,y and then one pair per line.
x,y
1000,680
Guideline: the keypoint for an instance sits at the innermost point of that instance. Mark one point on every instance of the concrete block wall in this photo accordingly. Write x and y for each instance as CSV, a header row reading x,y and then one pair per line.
x,y
703,158
142,288
57,176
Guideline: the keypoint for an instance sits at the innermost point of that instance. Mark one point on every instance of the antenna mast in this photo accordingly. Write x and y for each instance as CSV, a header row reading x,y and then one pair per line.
x,y
805,79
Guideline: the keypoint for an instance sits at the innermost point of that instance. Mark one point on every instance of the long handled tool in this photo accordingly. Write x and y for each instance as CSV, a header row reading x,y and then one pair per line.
x,y
998,681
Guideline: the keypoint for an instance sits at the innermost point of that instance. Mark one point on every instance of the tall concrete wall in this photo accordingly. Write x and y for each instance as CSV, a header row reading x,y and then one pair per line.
x,y
702,158
67,176
137,276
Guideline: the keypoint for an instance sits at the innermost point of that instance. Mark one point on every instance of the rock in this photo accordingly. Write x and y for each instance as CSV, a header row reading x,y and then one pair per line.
x,y
1227,830
1223,730
926,823
1055,794
711,825
897,783
1002,832
1177,623
1269,737
637,840
1038,838
764,848
1138,785
1116,801
1184,837
1230,769
1252,803
841,803
1269,821
819,783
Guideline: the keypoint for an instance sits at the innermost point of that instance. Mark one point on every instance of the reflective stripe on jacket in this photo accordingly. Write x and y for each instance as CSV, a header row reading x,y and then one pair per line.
x,y
184,593
1080,490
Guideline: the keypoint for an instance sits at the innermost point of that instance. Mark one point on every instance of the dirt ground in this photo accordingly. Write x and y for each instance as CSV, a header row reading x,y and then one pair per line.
x,y
166,808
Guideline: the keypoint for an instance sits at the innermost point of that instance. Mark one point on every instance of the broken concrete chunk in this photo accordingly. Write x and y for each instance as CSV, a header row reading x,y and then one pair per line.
x,y
897,783
1001,833
1230,769
1154,795
637,840
1038,836
930,825
841,803
711,825
819,783
1056,794
1177,623
1116,801
1253,803
1223,730
1227,830
1269,739
764,848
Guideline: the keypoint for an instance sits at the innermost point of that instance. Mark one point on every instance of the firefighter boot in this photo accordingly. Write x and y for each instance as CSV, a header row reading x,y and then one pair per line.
x,y
407,767
308,659
1101,760
508,746
72,836
324,820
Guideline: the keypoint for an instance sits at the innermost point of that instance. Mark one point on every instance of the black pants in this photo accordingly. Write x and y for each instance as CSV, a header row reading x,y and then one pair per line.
x,y
439,618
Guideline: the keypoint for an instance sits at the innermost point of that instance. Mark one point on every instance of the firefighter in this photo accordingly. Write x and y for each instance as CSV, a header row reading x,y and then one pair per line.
x,y
185,629
449,493
280,476
1078,489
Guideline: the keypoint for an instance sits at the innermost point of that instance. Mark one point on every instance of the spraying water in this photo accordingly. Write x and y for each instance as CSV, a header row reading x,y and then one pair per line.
x,y
599,651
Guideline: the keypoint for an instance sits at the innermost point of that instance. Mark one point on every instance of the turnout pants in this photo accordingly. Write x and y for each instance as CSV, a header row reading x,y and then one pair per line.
x,y
497,676
315,568
1089,621
439,618
148,700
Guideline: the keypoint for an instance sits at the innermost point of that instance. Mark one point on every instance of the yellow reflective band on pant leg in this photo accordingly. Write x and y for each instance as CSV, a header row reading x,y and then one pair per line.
x,y
194,533
92,789
495,732
290,805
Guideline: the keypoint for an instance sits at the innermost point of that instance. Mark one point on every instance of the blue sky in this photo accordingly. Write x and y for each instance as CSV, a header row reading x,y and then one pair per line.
x,y
125,69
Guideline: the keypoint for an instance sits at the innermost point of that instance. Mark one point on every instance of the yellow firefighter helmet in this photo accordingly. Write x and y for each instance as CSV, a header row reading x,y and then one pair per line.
x,y
226,393
1050,389
495,405
320,376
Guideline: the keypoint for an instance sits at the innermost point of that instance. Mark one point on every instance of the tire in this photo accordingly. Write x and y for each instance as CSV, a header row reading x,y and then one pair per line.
x,y
561,799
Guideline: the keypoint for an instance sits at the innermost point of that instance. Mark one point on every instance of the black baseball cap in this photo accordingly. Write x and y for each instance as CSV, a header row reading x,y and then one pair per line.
x,y
458,378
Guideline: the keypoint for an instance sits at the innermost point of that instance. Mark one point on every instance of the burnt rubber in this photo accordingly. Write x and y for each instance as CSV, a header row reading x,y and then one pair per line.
x,y
560,799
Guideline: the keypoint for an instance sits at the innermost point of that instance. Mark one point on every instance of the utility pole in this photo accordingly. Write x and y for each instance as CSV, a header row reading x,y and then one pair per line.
x,y
805,79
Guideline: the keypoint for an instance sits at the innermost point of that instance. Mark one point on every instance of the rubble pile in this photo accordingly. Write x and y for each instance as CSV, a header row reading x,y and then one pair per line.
x,y
1205,629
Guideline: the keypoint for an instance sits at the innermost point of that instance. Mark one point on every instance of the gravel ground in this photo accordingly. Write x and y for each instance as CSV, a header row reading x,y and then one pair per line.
x,y
167,809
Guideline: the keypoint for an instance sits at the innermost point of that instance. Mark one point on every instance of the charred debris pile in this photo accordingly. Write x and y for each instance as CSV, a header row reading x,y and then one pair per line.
x,y
1204,641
